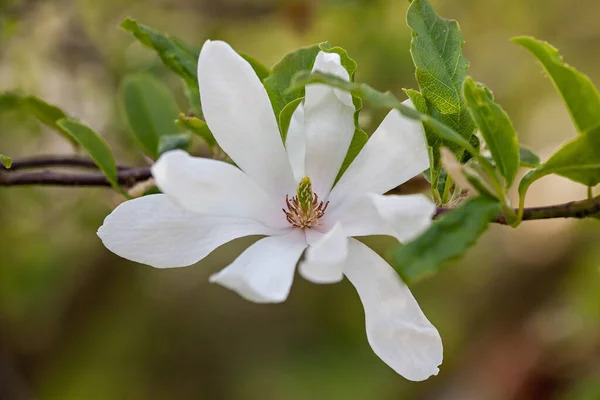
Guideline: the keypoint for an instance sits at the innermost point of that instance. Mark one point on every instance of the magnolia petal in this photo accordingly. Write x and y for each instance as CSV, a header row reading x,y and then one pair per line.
x,y
324,259
214,188
295,143
397,329
265,271
409,215
395,153
329,125
238,111
155,231
403,217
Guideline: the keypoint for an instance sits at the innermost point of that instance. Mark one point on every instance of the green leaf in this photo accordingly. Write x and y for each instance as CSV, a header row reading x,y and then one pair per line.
x,y
528,158
197,127
285,117
10,101
5,160
261,71
578,160
174,55
193,96
150,110
96,147
495,127
359,140
436,49
433,140
279,81
46,113
448,238
171,142
577,90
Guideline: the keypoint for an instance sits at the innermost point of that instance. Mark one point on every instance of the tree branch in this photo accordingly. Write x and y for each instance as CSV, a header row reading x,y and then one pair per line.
x,y
126,177
55,161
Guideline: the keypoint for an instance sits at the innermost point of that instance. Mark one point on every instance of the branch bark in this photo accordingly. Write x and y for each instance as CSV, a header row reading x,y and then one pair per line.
x,y
126,177
55,161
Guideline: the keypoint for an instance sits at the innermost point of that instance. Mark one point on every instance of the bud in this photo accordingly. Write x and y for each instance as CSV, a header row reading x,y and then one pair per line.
x,y
305,194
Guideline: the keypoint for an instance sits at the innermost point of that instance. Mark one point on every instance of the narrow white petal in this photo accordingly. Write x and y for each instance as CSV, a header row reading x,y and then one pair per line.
x,y
395,153
265,271
295,143
238,111
397,329
329,125
155,231
403,217
409,215
214,188
324,259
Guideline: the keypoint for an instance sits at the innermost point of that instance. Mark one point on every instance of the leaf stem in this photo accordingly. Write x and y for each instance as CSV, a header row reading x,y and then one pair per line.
x,y
447,186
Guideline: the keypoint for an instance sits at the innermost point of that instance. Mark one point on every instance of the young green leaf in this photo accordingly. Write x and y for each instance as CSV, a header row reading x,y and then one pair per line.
x,y
174,55
495,127
528,158
261,71
434,142
285,117
577,90
197,127
279,81
436,49
5,160
10,101
150,110
48,114
96,147
578,160
448,238
177,141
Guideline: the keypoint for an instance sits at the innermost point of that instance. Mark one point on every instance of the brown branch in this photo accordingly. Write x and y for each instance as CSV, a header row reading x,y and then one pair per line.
x,y
55,161
126,177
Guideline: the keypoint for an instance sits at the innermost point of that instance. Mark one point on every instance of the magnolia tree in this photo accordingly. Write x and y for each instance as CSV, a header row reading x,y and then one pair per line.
x,y
290,162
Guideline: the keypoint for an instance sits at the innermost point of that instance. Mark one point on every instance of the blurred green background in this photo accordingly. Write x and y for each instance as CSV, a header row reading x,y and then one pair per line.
x,y
519,315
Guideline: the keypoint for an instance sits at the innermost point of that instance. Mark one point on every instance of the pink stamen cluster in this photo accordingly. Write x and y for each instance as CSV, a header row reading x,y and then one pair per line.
x,y
300,218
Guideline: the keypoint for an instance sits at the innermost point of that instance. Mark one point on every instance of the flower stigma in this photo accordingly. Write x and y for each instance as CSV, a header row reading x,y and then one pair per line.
x,y
304,209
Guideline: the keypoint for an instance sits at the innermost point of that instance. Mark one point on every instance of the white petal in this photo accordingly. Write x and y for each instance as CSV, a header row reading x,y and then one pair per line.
x,y
214,188
329,124
324,259
408,215
403,217
265,271
238,111
153,230
395,153
295,143
397,329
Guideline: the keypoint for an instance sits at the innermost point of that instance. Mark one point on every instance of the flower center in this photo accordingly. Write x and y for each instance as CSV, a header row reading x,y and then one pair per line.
x,y
304,209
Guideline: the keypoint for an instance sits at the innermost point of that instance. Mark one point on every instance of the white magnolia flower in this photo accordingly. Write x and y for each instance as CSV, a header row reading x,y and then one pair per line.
x,y
285,193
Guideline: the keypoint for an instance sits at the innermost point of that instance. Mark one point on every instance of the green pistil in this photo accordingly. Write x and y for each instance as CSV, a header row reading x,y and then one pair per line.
x,y
305,194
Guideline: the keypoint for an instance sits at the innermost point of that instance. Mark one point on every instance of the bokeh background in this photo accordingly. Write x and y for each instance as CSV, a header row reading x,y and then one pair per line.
x,y
519,314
